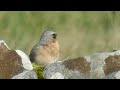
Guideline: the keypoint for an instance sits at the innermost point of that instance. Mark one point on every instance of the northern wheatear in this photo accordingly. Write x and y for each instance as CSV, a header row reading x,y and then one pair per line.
x,y
46,51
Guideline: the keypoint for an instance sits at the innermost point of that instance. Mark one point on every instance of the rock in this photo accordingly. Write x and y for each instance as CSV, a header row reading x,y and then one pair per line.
x,y
25,60
105,65
57,76
14,63
27,74
52,69
117,75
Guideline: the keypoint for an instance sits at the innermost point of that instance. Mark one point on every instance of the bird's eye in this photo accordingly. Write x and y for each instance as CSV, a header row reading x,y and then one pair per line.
x,y
54,35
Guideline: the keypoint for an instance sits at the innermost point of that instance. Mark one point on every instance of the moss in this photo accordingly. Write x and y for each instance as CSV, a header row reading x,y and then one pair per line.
x,y
39,70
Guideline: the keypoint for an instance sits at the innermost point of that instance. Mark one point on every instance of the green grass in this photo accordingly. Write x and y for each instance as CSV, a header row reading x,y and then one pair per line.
x,y
79,33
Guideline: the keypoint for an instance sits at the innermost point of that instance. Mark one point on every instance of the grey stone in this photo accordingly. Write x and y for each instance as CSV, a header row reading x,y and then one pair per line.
x,y
14,64
57,75
104,65
27,74
25,60
52,69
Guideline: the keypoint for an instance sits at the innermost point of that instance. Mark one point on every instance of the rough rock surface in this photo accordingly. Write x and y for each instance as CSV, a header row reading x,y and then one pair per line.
x,y
14,64
105,65
27,74
25,60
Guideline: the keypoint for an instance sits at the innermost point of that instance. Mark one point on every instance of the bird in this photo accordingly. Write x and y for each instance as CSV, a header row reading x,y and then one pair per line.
x,y
46,51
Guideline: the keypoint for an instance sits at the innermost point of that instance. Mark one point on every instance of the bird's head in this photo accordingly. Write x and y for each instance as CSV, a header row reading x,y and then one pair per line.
x,y
48,36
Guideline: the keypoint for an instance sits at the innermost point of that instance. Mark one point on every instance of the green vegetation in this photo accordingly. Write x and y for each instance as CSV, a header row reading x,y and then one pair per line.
x,y
39,70
79,32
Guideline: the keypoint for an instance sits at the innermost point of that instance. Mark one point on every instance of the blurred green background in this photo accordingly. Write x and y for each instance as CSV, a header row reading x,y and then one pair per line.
x,y
79,32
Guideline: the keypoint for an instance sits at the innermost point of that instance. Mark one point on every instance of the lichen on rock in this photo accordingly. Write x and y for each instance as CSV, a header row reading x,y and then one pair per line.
x,y
104,65
14,63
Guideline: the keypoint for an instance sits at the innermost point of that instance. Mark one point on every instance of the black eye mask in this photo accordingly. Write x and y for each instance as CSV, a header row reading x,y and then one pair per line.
x,y
54,35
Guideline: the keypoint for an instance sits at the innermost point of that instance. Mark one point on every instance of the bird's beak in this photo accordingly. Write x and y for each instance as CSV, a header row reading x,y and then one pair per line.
x,y
54,35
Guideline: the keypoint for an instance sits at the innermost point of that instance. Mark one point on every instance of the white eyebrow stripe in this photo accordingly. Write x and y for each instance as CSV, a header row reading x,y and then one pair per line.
x,y
53,33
